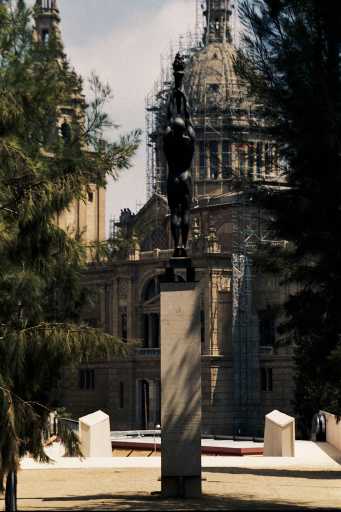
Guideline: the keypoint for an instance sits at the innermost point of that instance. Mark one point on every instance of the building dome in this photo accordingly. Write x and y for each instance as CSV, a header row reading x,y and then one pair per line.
x,y
211,82
232,145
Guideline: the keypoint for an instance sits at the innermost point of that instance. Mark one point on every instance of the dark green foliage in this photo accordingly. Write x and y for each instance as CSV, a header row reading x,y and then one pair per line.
x,y
292,64
42,171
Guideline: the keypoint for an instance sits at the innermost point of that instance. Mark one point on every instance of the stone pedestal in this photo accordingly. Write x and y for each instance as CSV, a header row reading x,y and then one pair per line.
x,y
94,433
279,435
180,390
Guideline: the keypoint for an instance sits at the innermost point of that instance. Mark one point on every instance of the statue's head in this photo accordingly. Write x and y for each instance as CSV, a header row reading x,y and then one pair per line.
x,y
179,64
179,70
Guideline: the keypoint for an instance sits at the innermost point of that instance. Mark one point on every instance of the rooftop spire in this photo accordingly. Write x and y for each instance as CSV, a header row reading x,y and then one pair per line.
x,y
217,14
47,5
47,19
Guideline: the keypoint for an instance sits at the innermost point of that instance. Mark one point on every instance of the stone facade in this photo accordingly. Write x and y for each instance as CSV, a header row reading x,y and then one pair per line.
x,y
86,217
128,306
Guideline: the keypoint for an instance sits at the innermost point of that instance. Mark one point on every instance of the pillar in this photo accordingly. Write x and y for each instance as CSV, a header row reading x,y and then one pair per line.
x,y
180,390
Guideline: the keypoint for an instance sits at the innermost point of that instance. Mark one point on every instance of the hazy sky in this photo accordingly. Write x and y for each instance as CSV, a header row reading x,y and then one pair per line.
x,y
122,41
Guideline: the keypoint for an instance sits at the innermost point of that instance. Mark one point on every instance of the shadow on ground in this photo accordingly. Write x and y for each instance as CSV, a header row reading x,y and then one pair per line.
x,y
299,490
282,473
155,502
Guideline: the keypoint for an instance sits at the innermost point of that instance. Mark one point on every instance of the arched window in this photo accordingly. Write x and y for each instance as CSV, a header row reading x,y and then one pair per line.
x,y
66,132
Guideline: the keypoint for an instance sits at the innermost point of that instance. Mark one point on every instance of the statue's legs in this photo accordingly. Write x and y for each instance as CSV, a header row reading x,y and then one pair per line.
x,y
179,200
185,222
186,212
176,227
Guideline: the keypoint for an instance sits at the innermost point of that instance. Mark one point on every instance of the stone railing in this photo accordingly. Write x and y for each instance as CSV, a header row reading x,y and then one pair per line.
x,y
134,433
156,253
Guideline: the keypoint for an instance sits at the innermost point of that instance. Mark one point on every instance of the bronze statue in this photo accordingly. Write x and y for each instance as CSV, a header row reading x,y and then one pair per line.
x,y
179,141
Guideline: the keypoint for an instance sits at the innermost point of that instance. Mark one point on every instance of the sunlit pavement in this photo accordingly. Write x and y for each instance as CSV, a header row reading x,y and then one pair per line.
x,y
312,479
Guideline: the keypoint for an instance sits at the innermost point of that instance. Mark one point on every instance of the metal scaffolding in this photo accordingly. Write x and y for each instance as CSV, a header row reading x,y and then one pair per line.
x,y
245,336
216,116
156,107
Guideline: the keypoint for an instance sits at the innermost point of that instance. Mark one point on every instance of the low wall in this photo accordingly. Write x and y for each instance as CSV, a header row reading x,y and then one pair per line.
x,y
333,430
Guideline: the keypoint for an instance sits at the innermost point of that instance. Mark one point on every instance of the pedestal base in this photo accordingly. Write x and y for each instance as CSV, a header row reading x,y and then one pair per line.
x,y
181,487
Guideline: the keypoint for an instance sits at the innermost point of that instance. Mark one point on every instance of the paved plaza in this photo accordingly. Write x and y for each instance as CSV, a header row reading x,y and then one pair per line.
x,y
311,480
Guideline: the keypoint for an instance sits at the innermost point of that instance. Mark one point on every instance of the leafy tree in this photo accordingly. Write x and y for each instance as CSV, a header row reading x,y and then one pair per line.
x,y
291,62
45,165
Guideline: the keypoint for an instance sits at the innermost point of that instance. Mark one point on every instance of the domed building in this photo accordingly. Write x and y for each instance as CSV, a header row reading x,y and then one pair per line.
x,y
231,137
244,376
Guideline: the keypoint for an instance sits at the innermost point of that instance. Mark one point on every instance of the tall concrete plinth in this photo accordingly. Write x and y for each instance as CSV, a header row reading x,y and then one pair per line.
x,y
180,390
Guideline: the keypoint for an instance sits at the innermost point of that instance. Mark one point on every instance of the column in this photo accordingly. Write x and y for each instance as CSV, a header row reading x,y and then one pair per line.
x,y
180,390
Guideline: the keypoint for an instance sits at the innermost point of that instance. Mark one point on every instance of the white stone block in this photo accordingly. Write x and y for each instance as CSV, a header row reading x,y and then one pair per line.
x,y
94,433
333,430
279,435
55,450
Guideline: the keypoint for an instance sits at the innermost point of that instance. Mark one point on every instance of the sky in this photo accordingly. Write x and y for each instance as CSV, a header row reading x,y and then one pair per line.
x,y
121,40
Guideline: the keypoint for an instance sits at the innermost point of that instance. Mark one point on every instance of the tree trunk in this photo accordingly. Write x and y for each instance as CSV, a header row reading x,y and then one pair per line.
x,y
11,492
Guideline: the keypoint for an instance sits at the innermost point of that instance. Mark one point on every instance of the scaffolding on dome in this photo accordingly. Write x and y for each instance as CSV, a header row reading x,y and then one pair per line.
x,y
209,119
156,105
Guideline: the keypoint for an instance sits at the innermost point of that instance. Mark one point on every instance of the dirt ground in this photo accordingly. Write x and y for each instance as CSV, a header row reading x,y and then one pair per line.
x,y
137,489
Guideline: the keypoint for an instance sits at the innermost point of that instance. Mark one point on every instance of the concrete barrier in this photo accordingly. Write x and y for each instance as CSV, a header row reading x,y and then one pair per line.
x,y
333,430
94,433
279,435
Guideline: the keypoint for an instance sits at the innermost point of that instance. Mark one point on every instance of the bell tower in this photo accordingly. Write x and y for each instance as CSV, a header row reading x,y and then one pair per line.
x,y
86,217
217,14
47,20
